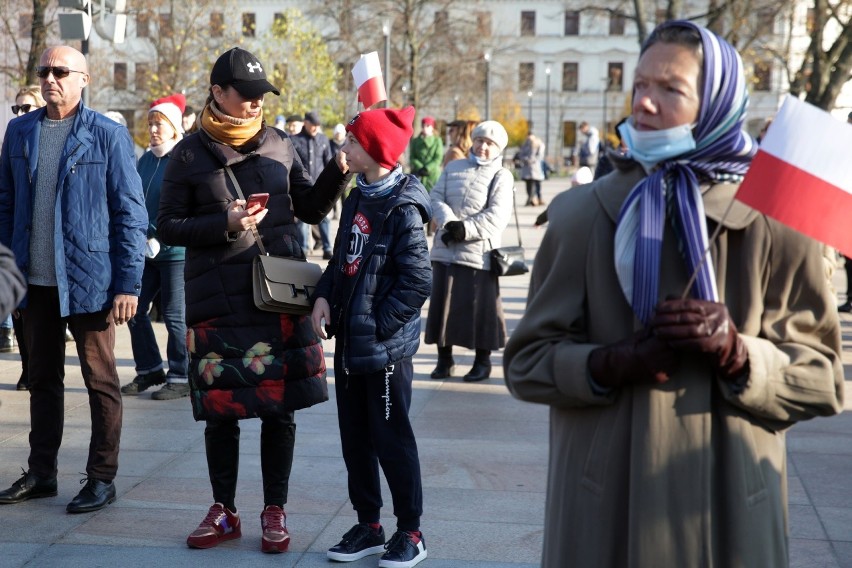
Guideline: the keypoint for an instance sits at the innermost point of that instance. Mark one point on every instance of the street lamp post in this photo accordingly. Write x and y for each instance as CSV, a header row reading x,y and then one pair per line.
x,y
547,112
386,31
607,86
487,57
529,112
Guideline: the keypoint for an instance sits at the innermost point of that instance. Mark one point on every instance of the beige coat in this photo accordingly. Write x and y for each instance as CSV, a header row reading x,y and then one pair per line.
x,y
690,473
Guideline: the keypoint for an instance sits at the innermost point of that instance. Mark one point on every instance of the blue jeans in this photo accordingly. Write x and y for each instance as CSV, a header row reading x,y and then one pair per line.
x,y
166,278
325,234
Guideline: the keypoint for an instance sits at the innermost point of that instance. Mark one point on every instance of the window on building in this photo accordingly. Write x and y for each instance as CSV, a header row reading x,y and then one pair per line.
x,y
129,117
483,24
527,23
217,24
143,73
442,19
165,25
526,76
810,22
279,22
569,134
345,82
765,19
280,70
119,76
616,24
572,22
25,25
143,20
249,24
569,76
615,76
762,75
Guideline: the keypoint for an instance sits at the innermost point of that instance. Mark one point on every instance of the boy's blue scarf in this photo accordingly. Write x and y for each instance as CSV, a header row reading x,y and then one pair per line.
x,y
382,187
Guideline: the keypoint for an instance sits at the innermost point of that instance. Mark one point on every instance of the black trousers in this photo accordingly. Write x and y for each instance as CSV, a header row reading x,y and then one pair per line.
x,y
372,411
44,329
277,440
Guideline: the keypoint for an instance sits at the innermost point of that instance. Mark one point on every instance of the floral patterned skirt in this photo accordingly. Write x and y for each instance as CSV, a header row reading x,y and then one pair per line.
x,y
271,366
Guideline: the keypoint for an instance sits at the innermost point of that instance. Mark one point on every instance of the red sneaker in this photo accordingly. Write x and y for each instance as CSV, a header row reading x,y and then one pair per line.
x,y
220,524
275,535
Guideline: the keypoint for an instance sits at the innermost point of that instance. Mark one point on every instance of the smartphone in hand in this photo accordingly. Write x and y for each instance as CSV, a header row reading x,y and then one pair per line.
x,y
256,199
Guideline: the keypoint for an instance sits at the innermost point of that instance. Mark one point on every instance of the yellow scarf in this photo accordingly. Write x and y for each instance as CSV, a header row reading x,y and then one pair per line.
x,y
229,130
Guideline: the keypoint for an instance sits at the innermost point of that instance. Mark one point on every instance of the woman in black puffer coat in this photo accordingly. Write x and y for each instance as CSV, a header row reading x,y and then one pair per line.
x,y
244,362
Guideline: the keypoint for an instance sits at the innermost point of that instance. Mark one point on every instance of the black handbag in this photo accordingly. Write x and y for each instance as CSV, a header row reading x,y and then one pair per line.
x,y
511,260
508,261
280,284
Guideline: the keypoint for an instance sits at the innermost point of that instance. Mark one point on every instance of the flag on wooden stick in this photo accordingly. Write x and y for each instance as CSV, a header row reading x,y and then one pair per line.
x,y
802,176
368,79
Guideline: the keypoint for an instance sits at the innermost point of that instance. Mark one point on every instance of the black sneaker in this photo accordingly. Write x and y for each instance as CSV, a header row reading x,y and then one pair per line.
x,y
402,551
360,541
143,382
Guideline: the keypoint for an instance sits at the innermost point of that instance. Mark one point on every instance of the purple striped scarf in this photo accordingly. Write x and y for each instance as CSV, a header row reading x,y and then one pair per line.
x,y
723,153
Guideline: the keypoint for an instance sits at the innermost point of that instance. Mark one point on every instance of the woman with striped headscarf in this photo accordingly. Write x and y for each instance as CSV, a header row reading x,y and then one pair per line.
x,y
675,333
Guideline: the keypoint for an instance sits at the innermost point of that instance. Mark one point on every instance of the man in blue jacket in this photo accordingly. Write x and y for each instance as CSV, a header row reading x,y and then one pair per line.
x,y
72,211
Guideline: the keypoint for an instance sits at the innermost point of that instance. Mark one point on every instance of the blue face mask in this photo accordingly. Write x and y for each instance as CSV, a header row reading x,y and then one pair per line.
x,y
650,147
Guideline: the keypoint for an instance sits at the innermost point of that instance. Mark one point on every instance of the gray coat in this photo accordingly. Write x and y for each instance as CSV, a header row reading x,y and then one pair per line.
x,y
531,156
462,194
692,472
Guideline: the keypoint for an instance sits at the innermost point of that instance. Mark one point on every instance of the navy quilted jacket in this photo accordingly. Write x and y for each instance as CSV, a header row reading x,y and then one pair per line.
x,y
376,314
100,212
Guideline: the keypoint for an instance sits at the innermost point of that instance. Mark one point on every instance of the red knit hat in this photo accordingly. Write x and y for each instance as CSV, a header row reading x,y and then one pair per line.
x,y
172,108
383,133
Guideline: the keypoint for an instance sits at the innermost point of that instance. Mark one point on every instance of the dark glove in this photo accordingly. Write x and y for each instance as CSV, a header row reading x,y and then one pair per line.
x,y
422,172
703,327
456,229
639,359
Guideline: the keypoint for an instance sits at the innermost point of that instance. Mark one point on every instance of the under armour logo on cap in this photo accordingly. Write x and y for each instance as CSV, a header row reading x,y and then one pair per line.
x,y
241,70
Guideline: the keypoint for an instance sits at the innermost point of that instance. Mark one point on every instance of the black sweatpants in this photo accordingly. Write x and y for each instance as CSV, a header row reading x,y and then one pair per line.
x,y
372,411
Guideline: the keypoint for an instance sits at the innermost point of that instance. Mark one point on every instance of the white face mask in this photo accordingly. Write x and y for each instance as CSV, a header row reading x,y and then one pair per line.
x,y
650,147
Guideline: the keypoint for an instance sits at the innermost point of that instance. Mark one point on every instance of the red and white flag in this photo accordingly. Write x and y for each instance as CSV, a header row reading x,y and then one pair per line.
x,y
801,174
368,79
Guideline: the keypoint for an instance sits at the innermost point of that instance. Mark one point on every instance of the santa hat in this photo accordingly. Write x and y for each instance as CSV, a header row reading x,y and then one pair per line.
x,y
172,108
383,133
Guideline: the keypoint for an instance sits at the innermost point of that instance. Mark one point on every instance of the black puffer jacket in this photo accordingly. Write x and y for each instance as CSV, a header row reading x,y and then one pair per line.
x,y
225,326
193,213
376,314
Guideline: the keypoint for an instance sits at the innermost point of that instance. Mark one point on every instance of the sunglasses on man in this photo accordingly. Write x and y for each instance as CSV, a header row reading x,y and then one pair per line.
x,y
60,72
16,109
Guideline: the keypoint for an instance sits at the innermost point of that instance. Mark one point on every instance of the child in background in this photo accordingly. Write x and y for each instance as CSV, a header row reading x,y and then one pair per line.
x,y
369,298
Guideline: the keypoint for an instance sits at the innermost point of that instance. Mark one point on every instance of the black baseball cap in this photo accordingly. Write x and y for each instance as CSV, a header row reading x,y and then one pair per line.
x,y
242,70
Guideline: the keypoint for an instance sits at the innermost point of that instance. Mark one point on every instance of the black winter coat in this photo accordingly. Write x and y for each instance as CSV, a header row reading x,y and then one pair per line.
x,y
376,314
244,362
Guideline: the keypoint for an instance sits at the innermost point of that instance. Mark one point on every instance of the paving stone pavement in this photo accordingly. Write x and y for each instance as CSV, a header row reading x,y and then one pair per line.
x,y
483,455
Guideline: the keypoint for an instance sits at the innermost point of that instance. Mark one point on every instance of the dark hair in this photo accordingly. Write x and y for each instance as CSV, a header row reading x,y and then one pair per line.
x,y
676,33
188,111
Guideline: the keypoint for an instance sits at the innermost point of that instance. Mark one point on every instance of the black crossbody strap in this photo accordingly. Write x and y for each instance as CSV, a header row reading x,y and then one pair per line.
x,y
514,204
241,196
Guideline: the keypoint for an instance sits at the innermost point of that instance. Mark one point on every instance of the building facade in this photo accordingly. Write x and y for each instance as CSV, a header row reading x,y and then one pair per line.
x,y
560,60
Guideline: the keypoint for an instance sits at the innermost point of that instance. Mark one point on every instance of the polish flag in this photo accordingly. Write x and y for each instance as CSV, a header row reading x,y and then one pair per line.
x,y
801,174
368,79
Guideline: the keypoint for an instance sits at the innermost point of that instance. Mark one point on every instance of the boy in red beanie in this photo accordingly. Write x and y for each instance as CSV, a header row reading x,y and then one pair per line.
x,y
369,298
